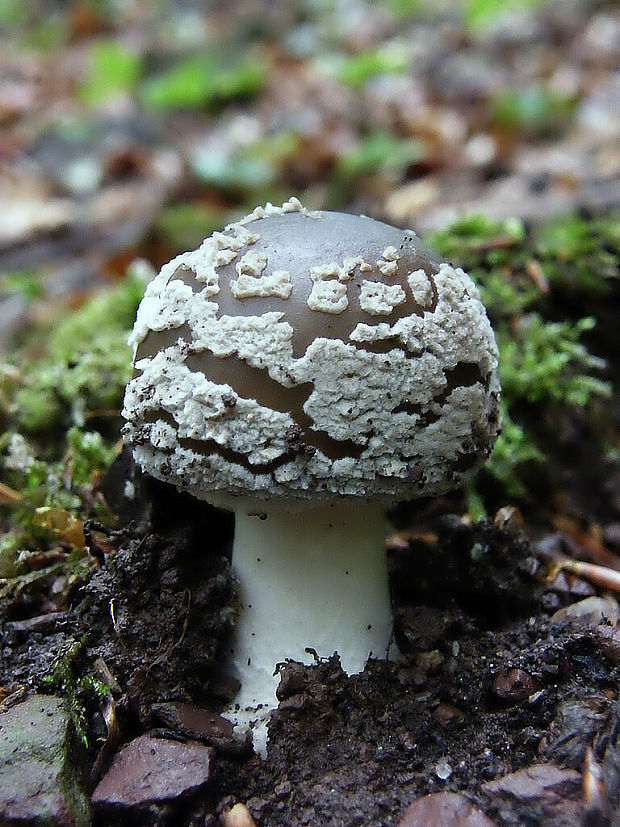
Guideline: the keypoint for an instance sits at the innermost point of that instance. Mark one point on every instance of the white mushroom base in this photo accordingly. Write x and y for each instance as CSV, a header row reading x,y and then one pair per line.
x,y
315,580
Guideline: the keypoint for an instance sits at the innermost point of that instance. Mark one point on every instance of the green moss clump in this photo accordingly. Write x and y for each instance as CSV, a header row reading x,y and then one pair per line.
x,y
545,360
514,448
78,691
377,152
55,496
184,226
88,453
50,463
86,365
541,360
496,257
582,254
112,69
23,284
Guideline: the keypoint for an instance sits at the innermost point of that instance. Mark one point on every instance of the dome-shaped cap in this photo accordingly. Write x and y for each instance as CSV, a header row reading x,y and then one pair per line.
x,y
308,356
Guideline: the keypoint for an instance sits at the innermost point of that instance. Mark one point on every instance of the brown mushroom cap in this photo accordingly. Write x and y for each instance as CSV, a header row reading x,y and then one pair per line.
x,y
308,355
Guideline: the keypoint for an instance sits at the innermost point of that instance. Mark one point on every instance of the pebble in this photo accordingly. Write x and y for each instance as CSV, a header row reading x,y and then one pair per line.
x,y
37,784
443,770
590,613
514,685
533,782
237,816
444,810
196,723
554,792
150,771
447,715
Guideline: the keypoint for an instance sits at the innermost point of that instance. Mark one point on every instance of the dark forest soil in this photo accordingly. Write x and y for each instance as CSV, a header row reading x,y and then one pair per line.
x,y
493,677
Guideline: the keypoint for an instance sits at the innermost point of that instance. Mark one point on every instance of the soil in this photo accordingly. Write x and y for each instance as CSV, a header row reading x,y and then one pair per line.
x,y
489,680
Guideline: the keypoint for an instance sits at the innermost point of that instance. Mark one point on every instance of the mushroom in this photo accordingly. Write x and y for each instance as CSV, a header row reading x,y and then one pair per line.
x,y
307,370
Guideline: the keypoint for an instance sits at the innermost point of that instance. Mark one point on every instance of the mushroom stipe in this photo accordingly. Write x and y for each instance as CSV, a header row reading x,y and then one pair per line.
x,y
316,368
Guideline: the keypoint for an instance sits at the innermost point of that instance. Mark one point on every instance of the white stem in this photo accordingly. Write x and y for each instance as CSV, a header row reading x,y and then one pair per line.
x,y
313,580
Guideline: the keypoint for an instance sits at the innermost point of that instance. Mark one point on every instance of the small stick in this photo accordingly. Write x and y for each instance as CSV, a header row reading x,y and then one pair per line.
x,y
594,791
9,496
601,576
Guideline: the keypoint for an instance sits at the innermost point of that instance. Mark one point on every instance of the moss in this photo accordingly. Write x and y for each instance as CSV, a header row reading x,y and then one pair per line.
x,y
377,152
53,472
514,448
78,691
545,360
55,497
577,253
86,366
478,14
495,255
37,405
541,359
184,226
23,284
88,453
112,69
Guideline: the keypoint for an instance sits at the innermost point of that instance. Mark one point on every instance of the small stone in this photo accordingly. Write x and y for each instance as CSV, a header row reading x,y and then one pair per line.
x,y
194,722
443,770
36,778
590,613
535,782
551,601
508,516
444,810
559,583
581,588
430,662
529,566
152,771
514,685
550,791
447,715
408,741
608,641
237,816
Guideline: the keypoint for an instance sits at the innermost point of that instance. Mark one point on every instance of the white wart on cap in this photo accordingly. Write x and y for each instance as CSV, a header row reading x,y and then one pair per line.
x,y
302,357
